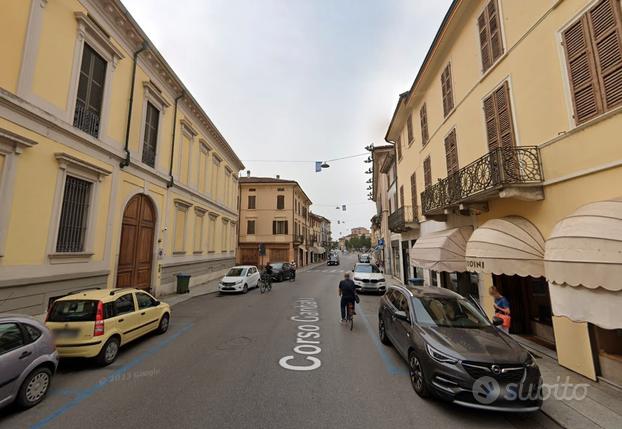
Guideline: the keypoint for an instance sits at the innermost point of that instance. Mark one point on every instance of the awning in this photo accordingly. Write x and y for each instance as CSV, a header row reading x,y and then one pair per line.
x,y
510,245
442,250
583,263
313,249
321,250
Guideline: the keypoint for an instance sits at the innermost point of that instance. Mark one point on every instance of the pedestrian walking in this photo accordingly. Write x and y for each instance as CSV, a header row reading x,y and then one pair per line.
x,y
502,308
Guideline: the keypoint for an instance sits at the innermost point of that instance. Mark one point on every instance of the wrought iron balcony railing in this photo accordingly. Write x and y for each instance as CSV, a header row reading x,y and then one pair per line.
x,y
499,168
86,120
298,238
400,219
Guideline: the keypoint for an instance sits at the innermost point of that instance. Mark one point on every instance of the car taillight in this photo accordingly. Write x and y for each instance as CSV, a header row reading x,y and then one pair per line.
x,y
99,320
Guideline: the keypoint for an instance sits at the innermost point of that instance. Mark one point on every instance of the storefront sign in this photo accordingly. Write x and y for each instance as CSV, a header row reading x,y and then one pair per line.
x,y
475,265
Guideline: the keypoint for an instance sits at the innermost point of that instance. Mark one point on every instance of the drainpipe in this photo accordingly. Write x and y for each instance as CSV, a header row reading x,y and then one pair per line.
x,y
171,181
126,161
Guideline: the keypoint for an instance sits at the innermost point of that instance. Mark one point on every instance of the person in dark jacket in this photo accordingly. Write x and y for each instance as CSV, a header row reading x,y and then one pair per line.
x,y
347,292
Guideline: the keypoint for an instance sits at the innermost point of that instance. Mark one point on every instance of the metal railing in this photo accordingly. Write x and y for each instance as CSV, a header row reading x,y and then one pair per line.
x,y
298,238
498,168
399,219
86,120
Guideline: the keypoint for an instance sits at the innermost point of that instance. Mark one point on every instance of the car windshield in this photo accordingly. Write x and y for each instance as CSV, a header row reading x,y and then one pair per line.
x,y
235,272
366,268
73,311
448,312
277,265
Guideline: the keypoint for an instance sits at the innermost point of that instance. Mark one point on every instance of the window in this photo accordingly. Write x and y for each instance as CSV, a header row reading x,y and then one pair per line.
x,y
279,227
498,115
250,227
280,202
423,114
74,215
33,333
150,138
448,94
181,211
401,195
215,176
398,146
145,301
124,304
11,337
409,129
211,233
413,193
280,189
451,153
87,114
490,42
427,172
224,237
198,229
593,48
203,169
251,202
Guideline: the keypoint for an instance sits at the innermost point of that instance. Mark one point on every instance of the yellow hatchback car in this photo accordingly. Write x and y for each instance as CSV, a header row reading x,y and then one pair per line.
x,y
96,322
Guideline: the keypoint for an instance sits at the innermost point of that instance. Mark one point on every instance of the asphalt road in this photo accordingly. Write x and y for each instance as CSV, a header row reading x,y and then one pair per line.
x,y
218,367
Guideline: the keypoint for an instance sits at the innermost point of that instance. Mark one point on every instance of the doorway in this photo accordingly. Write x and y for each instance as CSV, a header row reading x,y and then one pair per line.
x,y
405,262
136,247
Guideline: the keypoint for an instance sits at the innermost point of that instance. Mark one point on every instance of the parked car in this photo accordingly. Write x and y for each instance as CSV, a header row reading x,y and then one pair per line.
x,y
455,353
283,271
28,360
369,278
96,323
333,259
239,279
365,258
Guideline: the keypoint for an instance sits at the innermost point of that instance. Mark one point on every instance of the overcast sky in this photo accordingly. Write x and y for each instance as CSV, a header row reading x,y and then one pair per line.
x,y
298,80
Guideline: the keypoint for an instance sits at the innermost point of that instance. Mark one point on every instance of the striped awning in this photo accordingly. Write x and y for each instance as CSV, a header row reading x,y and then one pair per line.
x,y
510,245
442,250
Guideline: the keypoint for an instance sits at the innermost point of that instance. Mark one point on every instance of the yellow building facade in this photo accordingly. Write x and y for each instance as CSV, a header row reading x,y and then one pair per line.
x,y
96,191
274,213
508,156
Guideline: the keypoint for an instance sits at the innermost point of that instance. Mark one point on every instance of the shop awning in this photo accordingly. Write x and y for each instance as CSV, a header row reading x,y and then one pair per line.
x,y
583,263
442,250
313,249
510,245
321,250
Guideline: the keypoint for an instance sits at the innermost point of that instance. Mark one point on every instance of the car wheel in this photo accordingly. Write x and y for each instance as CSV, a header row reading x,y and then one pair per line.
x,y
109,352
245,289
417,378
163,326
382,333
34,388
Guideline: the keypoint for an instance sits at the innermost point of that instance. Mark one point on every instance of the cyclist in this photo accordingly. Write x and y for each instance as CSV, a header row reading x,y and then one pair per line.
x,y
267,274
347,292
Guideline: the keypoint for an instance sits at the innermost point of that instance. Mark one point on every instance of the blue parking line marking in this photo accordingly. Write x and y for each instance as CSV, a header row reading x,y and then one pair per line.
x,y
90,391
389,363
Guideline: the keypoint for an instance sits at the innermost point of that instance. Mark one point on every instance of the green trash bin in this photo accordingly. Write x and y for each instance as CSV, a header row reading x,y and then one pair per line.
x,y
183,281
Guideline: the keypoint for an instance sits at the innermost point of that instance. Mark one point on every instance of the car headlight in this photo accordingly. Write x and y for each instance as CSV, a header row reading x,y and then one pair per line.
x,y
531,361
439,356
381,280
356,279
238,282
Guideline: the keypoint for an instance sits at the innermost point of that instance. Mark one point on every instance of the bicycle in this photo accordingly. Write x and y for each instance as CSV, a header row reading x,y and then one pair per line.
x,y
265,283
350,316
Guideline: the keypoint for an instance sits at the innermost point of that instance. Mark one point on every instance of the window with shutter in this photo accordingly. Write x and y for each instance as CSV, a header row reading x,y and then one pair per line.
x,y
451,153
401,202
409,129
413,191
448,96
498,116
251,202
424,124
150,138
491,43
250,227
594,60
427,172
398,146
90,92
280,202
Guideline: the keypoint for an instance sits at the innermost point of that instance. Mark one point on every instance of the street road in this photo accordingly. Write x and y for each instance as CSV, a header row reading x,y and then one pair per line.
x,y
218,367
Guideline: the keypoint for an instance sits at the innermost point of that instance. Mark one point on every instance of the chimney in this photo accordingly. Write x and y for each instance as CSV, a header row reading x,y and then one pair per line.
x,y
278,176
248,173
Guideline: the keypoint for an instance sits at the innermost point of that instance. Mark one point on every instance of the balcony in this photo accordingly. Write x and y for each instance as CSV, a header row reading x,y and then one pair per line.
x,y
403,219
85,119
298,239
513,172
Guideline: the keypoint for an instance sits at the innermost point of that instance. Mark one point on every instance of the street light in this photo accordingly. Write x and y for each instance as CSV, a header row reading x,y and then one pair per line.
x,y
370,180
369,171
370,147
368,160
325,165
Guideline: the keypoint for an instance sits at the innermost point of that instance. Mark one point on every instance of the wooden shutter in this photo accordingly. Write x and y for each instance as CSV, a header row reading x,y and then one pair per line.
x,y
413,191
605,27
451,153
250,227
424,124
409,128
448,96
398,145
427,172
498,116
401,202
491,43
273,227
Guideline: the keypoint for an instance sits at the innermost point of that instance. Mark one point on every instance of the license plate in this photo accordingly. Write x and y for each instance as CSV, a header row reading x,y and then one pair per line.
x,y
65,333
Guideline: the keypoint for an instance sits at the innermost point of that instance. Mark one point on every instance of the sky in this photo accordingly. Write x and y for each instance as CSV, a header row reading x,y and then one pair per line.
x,y
298,81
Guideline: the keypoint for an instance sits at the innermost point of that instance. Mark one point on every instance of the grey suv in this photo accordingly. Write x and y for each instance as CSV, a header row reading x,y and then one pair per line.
x,y
28,360
455,353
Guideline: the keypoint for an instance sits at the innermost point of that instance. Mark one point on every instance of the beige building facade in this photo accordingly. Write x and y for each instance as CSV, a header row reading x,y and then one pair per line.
x,y
507,155
111,173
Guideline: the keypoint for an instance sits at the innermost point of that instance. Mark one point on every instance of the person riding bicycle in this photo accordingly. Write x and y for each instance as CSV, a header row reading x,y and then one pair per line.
x,y
347,292
267,273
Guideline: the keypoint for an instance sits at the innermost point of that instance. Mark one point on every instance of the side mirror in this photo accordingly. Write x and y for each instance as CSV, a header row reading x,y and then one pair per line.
x,y
401,315
497,321
157,303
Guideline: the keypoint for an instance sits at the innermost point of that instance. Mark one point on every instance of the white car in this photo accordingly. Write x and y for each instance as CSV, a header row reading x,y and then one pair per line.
x,y
239,279
369,278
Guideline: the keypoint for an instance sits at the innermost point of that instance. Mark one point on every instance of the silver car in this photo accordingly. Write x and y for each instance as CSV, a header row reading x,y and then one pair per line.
x,y
28,360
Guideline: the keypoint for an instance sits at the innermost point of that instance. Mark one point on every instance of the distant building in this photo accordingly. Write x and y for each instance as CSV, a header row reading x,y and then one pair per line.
x,y
360,231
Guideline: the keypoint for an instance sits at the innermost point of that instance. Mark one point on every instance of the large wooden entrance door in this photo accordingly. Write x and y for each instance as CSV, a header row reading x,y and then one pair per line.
x,y
136,248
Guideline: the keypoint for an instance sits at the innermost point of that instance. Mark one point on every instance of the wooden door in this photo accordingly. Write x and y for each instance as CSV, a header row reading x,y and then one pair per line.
x,y
279,255
136,247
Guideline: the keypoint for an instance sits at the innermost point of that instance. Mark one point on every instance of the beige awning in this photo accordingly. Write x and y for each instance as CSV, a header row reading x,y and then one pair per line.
x,y
585,248
510,245
583,263
442,250
321,250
